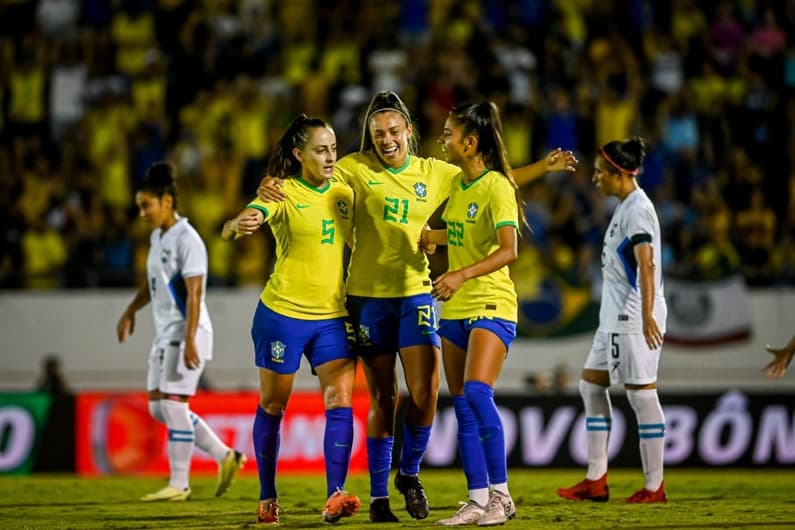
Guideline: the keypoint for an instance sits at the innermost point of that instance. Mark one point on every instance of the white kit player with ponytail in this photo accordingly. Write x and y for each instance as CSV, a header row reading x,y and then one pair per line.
x,y
627,345
176,281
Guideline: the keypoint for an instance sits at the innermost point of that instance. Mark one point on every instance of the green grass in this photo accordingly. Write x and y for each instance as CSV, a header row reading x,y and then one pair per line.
x,y
716,498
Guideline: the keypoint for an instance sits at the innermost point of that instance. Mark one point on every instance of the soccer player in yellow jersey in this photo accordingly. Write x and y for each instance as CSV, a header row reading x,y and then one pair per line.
x,y
479,310
388,287
302,310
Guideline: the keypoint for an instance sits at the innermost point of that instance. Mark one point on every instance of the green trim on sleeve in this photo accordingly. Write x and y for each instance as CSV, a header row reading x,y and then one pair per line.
x,y
260,208
507,223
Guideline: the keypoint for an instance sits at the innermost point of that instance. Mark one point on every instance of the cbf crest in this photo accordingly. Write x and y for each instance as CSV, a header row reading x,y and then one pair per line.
x,y
277,351
343,208
472,210
364,335
420,190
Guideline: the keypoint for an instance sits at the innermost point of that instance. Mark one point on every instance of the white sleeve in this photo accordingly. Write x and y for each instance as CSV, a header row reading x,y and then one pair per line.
x,y
192,256
639,225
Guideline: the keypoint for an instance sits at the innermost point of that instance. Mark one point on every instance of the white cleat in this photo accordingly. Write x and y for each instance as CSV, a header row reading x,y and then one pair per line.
x,y
227,470
499,509
469,513
169,493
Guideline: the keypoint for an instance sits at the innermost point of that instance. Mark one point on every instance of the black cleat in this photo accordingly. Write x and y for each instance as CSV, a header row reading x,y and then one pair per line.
x,y
380,512
412,490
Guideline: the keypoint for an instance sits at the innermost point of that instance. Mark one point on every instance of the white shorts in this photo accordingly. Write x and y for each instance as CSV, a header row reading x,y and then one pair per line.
x,y
167,371
626,356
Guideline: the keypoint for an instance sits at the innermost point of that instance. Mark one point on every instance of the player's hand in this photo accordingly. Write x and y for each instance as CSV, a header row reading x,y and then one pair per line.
x,y
654,338
270,189
191,355
560,160
245,224
778,366
423,243
125,326
447,284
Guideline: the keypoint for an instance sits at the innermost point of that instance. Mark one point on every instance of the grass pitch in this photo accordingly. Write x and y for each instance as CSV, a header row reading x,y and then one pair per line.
x,y
715,498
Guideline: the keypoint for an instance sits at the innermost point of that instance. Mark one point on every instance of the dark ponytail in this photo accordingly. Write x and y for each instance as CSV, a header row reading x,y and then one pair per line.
x,y
282,162
161,180
483,120
627,155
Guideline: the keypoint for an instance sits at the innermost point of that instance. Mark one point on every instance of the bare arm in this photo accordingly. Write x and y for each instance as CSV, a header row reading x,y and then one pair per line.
x,y
782,358
245,223
192,309
447,284
556,160
126,324
644,254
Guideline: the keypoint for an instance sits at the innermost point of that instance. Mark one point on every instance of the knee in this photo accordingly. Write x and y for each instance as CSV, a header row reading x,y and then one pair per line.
x,y
156,411
643,398
383,398
336,396
272,407
587,388
425,394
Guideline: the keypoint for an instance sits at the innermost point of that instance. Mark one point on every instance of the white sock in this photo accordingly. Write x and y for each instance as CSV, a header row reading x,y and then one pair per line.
x,y
651,430
480,496
502,487
598,421
156,411
180,441
207,440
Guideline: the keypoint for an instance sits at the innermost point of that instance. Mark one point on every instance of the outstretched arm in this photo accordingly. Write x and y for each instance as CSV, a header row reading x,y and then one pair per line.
x,y
782,357
556,160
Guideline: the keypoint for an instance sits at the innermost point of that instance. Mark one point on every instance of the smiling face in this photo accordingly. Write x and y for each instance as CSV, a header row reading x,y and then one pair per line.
x,y
156,211
390,134
318,156
454,144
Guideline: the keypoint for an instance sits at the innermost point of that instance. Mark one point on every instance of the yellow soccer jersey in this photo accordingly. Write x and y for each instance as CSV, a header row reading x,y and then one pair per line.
x,y
473,215
310,228
391,208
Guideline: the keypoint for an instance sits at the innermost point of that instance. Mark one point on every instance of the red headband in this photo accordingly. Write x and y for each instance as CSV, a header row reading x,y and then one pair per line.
x,y
632,172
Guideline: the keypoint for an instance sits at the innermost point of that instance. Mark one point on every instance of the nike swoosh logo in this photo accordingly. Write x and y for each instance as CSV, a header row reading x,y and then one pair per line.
x,y
301,206
372,182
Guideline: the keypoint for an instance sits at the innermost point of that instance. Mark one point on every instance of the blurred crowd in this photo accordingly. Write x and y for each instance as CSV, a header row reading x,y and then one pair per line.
x,y
94,91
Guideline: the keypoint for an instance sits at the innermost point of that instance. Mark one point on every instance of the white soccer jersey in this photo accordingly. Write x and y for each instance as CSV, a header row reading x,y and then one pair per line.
x,y
177,254
634,221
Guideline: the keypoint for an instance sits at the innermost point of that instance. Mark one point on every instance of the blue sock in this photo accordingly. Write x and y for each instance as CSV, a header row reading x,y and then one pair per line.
x,y
415,441
379,463
266,449
480,397
469,448
337,443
